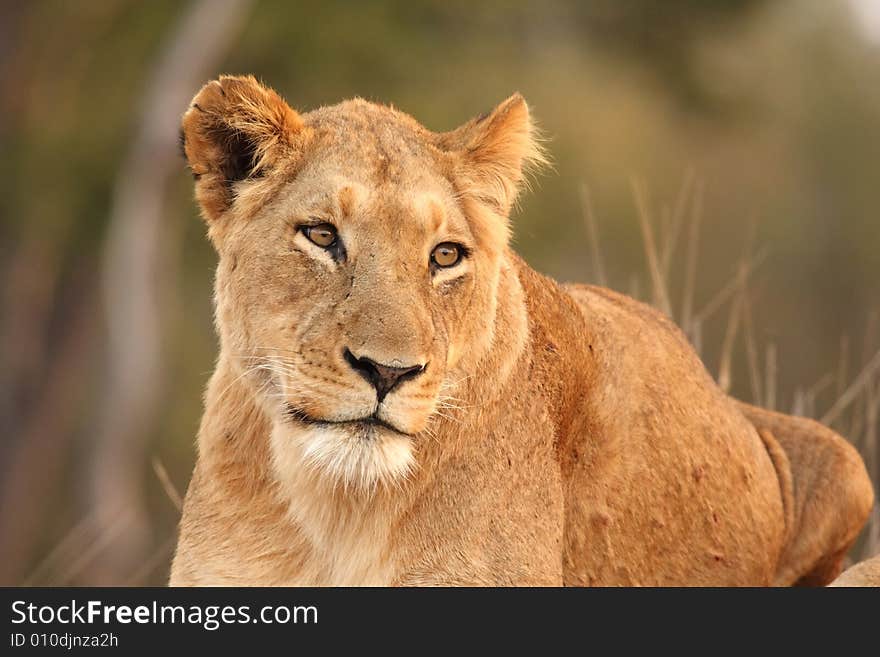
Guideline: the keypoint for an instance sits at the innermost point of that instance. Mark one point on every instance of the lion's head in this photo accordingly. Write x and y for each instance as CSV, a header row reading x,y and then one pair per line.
x,y
359,256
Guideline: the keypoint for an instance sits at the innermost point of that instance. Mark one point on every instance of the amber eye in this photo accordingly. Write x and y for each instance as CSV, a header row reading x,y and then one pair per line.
x,y
324,235
446,254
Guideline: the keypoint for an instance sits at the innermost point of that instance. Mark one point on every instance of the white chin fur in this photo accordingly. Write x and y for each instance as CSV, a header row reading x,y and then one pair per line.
x,y
342,456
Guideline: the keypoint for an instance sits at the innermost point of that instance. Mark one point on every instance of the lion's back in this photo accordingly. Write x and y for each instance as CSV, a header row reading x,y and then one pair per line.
x,y
667,477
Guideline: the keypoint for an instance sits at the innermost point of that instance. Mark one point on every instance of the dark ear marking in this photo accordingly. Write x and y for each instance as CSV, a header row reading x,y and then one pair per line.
x,y
241,163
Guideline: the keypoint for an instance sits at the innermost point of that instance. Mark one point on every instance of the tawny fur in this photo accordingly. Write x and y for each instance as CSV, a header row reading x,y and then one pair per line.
x,y
557,435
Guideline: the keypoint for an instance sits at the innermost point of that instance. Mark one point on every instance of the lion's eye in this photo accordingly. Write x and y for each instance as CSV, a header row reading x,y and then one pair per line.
x,y
324,235
446,254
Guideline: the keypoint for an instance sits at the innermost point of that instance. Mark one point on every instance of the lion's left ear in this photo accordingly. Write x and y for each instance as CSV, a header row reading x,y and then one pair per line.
x,y
495,152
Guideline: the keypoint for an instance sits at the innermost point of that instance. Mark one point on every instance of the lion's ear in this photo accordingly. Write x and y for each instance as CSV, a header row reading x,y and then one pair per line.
x,y
495,152
235,129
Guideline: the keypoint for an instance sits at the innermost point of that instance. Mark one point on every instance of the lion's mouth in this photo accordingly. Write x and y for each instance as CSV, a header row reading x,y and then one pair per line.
x,y
365,425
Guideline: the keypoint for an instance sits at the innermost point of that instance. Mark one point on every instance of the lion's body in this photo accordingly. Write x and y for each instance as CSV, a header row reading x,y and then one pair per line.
x,y
582,442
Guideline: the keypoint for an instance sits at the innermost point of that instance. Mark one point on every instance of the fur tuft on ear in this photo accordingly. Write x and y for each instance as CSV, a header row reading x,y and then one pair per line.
x,y
235,128
495,153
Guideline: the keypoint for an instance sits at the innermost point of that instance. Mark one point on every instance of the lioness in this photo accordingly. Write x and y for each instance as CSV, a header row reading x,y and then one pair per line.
x,y
400,400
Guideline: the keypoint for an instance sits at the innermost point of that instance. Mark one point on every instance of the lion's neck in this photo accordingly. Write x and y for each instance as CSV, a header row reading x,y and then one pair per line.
x,y
281,525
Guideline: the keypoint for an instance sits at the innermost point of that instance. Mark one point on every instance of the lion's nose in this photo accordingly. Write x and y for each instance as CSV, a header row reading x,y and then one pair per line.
x,y
382,377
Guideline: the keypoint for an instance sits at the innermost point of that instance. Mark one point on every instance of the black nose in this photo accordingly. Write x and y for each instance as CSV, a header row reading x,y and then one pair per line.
x,y
382,377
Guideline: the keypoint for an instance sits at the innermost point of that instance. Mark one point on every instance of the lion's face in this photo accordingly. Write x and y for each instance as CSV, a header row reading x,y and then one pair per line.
x,y
358,270
354,291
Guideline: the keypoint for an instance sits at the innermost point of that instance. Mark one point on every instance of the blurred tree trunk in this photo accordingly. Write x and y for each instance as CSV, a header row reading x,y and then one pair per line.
x,y
44,434
135,290
47,302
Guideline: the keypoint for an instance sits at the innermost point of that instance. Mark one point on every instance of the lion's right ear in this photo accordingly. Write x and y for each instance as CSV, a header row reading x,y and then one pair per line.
x,y
494,153
235,129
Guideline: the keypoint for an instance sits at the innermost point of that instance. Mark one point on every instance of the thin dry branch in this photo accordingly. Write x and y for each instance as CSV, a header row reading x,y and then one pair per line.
x,y
122,521
658,283
677,220
852,392
820,385
593,233
724,366
842,365
751,342
690,278
771,378
167,485
798,405
728,290
159,556
71,543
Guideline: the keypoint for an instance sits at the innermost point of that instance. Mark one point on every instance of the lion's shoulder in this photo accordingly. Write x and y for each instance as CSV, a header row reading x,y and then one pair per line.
x,y
636,331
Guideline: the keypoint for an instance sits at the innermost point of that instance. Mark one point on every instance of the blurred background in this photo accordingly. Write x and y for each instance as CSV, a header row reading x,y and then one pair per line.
x,y
718,158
